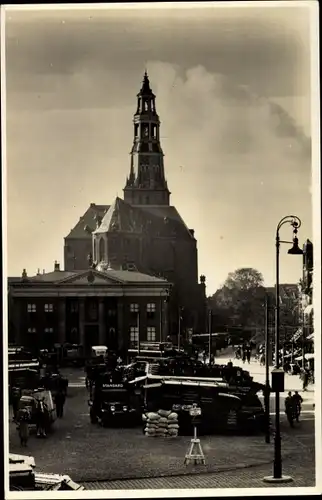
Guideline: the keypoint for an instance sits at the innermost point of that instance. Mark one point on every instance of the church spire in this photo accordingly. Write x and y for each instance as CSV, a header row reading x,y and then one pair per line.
x,y
146,184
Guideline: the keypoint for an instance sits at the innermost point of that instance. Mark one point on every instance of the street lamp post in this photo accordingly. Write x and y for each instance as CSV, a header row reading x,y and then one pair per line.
x,y
139,336
210,339
267,365
278,375
164,294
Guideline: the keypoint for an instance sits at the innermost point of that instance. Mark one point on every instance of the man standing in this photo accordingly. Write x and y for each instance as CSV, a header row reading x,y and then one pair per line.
x,y
60,401
289,409
23,418
305,378
16,394
298,400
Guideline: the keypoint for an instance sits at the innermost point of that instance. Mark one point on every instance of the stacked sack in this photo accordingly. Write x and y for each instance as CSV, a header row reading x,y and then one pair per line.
x,y
164,423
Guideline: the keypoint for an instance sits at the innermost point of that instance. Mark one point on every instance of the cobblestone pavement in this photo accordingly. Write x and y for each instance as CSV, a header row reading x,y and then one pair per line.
x,y
88,452
251,477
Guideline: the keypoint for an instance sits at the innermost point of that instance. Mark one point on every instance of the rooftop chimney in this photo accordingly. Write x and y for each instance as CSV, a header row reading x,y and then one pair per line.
x,y
56,268
24,273
38,271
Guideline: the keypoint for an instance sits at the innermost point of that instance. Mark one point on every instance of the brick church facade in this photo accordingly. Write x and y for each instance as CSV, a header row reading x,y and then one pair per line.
x,y
143,232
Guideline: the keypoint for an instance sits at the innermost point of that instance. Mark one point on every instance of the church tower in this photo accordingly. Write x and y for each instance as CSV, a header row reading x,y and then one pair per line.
x,y
146,184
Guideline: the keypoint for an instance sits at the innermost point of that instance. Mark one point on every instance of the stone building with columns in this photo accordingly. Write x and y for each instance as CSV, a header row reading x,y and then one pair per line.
x,y
87,307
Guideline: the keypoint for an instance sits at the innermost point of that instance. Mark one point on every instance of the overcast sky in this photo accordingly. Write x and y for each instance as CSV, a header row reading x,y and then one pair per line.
x,y
233,96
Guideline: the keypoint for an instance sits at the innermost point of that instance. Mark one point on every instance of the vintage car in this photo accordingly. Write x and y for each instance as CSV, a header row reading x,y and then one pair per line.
x,y
29,401
114,401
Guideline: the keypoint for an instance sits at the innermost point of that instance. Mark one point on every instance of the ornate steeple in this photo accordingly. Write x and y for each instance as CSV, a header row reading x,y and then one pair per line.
x,y
146,184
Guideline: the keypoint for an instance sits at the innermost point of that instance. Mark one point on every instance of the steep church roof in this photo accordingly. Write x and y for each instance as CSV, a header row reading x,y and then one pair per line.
x,y
87,223
155,221
119,217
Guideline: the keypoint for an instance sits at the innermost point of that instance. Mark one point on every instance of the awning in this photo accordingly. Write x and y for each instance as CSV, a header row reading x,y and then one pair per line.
x,y
308,310
307,356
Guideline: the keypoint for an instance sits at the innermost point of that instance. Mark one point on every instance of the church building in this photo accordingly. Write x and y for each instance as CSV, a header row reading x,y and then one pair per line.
x,y
143,232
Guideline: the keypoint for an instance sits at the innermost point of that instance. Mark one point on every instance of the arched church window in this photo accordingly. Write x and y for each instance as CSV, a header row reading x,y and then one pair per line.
x,y
146,106
101,250
136,130
145,131
139,104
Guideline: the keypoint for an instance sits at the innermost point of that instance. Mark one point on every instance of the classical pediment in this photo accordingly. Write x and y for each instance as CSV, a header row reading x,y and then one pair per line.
x,y
90,277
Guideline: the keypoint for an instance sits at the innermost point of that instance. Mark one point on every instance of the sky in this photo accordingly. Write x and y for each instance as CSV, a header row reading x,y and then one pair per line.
x,y
233,96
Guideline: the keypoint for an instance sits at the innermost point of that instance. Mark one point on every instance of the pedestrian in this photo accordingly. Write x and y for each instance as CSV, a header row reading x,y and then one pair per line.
x,y
305,378
41,418
23,419
298,400
289,409
60,401
16,395
244,355
248,354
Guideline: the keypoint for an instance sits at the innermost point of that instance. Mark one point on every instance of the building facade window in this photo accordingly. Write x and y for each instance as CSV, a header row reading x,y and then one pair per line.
x,y
134,308
49,308
151,334
134,336
150,308
111,312
31,330
31,308
49,330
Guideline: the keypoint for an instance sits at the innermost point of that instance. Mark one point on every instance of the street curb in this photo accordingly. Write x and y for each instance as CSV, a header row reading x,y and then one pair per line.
x,y
218,470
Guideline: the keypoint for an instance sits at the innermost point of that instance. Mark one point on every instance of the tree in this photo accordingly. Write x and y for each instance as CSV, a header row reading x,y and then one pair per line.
x,y
239,302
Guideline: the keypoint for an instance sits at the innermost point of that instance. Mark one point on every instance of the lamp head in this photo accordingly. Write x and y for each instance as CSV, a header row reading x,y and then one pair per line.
x,y
295,250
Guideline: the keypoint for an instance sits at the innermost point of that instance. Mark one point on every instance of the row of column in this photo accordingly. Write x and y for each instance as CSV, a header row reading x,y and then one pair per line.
x,y
101,322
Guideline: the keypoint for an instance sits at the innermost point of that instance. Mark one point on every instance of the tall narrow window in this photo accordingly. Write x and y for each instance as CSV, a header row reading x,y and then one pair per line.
x,y
151,334
134,336
101,250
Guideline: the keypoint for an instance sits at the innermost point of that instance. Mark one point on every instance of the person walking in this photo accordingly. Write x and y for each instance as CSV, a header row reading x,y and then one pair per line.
x,y
60,401
298,400
244,353
16,395
23,419
41,418
289,409
305,378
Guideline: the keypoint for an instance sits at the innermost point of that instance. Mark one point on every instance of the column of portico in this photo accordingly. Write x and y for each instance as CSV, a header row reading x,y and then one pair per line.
x,y
102,322
81,306
62,320
121,337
